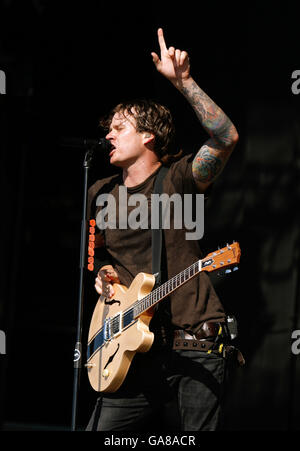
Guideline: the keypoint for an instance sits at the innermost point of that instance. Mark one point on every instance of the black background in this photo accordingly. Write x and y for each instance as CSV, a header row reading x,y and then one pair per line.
x,y
66,65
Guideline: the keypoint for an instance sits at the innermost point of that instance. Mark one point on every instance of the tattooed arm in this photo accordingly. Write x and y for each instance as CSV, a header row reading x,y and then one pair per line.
x,y
213,155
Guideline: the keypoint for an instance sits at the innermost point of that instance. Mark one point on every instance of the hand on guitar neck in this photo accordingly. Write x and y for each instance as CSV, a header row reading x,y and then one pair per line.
x,y
103,283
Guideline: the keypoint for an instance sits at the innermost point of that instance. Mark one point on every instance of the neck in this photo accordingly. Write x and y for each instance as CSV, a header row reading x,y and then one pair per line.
x,y
139,171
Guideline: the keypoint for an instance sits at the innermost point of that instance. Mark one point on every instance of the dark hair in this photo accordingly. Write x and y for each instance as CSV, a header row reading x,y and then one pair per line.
x,y
151,117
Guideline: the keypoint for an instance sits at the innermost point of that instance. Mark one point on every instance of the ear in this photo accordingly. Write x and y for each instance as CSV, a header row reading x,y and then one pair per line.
x,y
148,137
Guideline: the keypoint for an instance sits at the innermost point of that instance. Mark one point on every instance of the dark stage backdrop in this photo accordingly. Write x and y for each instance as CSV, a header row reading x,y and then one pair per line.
x,y
66,64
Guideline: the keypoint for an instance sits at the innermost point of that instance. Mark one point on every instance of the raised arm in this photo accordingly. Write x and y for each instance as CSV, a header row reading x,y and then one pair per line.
x,y
213,155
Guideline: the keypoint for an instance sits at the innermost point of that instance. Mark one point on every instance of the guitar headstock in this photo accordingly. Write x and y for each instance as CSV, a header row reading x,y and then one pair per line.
x,y
226,258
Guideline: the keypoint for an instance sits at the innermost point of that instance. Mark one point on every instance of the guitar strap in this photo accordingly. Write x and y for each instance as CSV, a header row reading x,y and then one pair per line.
x,y
157,233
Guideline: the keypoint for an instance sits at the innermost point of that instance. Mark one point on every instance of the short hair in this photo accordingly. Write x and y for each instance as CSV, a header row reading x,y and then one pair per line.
x,y
151,117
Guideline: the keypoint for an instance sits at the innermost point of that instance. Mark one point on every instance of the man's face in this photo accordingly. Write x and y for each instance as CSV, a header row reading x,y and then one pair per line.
x,y
128,145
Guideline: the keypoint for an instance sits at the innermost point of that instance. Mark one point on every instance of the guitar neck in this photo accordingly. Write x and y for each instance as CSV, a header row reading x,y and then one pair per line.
x,y
167,288
226,257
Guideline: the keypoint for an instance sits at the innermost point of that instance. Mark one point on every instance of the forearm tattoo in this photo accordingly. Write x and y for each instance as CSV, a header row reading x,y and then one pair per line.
x,y
212,118
211,158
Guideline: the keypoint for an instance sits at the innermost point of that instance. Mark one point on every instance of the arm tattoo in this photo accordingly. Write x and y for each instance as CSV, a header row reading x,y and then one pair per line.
x,y
206,166
212,118
213,155
209,162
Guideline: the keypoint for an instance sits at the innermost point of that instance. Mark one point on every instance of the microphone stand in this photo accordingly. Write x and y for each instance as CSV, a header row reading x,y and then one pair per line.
x,y
78,346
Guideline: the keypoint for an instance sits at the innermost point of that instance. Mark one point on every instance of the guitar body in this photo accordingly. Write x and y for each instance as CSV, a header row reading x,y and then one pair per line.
x,y
120,325
109,358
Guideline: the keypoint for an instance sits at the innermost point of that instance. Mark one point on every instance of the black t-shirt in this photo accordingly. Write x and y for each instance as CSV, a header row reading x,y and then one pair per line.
x,y
129,250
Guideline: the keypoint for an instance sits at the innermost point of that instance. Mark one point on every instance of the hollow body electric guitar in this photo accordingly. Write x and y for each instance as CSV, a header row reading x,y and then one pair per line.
x,y
120,325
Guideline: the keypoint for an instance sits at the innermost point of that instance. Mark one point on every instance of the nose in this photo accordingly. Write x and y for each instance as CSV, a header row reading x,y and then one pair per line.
x,y
109,136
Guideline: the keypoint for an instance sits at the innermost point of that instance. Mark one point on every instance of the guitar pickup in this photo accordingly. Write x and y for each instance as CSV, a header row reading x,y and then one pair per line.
x,y
113,327
116,326
107,330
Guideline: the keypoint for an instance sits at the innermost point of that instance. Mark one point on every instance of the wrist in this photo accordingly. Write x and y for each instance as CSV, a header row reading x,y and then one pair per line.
x,y
185,84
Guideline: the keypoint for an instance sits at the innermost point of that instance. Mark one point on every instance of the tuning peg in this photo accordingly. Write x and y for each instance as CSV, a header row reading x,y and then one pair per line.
x,y
227,271
235,268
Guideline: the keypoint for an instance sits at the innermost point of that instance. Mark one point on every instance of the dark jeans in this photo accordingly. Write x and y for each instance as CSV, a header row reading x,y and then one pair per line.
x,y
165,391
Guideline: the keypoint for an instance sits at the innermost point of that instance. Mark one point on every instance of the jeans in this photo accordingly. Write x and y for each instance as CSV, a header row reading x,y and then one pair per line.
x,y
165,390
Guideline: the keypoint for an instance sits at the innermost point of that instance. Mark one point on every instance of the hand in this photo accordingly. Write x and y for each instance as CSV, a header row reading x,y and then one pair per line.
x,y
173,64
104,279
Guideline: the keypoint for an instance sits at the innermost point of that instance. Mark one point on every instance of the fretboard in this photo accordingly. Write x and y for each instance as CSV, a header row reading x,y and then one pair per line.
x,y
166,289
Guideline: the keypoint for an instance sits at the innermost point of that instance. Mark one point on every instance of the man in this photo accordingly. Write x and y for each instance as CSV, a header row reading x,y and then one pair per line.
x,y
167,388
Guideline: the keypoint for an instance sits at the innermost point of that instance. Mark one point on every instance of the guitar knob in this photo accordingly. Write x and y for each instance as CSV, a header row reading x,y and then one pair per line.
x,y
105,373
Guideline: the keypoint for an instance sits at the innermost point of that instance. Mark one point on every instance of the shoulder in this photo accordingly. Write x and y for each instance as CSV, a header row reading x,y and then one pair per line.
x,y
104,185
182,167
180,173
182,162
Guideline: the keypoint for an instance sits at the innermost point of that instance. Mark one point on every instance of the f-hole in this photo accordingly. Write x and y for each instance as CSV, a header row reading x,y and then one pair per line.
x,y
113,301
112,356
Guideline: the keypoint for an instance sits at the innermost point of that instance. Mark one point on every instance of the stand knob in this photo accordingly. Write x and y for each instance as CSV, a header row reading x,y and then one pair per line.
x,y
105,373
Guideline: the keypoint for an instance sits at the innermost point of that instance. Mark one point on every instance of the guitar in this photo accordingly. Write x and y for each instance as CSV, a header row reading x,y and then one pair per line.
x,y
119,326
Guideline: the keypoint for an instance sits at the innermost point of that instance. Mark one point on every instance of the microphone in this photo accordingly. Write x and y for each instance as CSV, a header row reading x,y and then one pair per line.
x,y
83,143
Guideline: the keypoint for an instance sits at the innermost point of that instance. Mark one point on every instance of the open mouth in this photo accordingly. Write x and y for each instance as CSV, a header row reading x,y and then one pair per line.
x,y
112,149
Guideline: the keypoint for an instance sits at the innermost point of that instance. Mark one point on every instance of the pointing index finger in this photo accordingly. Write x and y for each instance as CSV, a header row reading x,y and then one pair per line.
x,y
161,40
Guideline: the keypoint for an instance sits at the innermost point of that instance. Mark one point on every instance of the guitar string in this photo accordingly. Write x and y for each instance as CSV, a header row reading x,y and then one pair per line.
x,y
167,285
162,291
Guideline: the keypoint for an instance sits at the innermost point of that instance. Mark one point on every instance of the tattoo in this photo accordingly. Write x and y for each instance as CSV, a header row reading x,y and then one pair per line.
x,y
212,118
213,155
208,163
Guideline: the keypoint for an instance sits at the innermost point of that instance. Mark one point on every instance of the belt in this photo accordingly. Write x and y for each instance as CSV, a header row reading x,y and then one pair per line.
x,y
181,343
208,329
200,341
